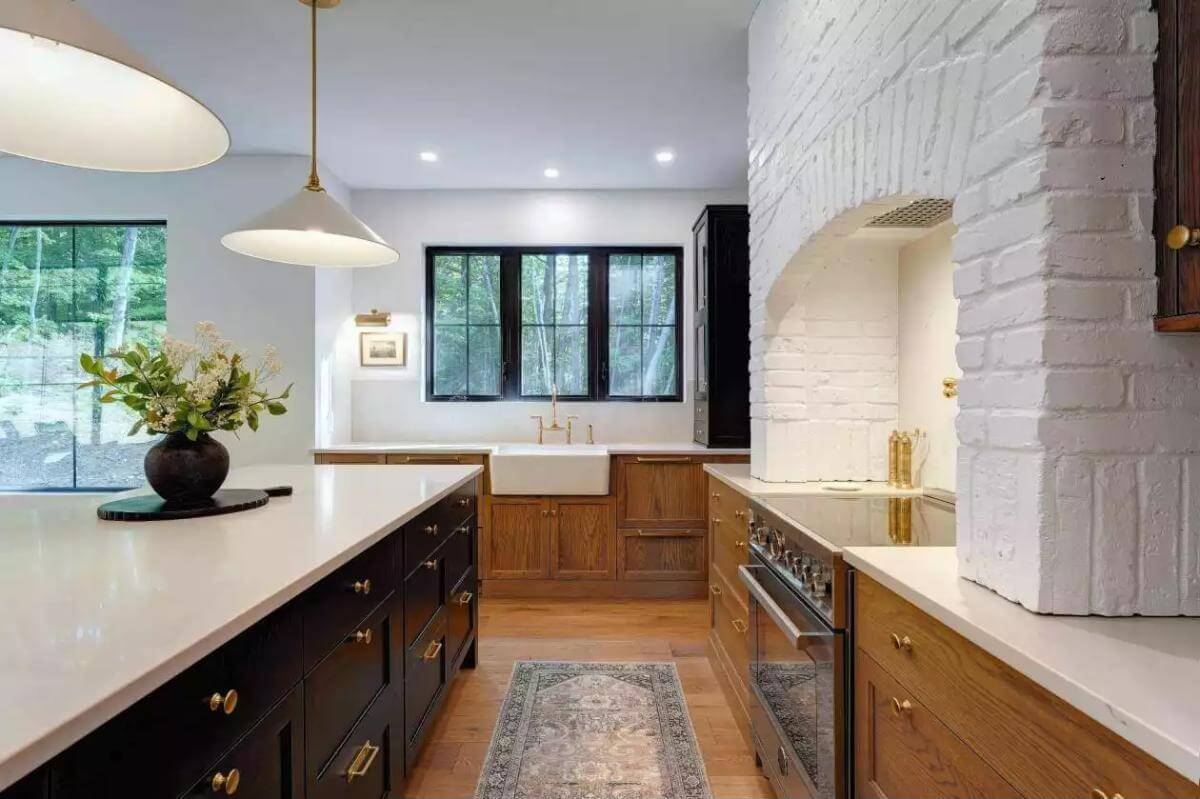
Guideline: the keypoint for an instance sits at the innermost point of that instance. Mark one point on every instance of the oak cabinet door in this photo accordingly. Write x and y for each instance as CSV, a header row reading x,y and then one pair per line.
x,y
518,541
662,555
903,750
583,539
661,491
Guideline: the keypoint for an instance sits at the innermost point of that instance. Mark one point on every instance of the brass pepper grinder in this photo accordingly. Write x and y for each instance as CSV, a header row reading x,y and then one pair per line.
x,y
894,459
906,457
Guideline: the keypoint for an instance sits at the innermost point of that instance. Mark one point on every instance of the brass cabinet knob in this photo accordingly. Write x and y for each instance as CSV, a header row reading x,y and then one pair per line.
x,y
739,625
226,702
950,387
362,761
430,564
554,513
1182,236
432,652
716,495
739,544
465,598
739,514
715,589
545,513
716,520
462,502
1098,794
227,783
431,529
904,643
900,706
362,637
362,587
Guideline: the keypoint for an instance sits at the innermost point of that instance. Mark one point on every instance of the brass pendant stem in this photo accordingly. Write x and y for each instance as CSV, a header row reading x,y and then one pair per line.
x,y
314,182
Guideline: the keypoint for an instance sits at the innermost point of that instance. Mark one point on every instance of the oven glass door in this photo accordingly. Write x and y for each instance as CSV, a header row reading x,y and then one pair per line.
x,y
795,675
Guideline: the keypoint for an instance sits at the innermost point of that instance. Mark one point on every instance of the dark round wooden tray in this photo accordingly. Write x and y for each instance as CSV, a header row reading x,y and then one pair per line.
x,y
151,507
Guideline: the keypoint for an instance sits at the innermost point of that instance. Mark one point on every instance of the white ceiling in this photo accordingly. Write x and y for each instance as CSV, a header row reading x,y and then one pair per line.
x,y
500,89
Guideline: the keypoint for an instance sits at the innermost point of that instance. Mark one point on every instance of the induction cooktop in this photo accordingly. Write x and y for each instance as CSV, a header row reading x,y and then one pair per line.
x,y
849,521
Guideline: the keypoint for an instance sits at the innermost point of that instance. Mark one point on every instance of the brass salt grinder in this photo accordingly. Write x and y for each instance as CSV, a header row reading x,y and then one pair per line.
x,y
900,455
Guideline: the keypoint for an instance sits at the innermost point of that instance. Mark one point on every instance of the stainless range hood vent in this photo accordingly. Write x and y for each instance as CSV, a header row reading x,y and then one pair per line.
x,y
920,214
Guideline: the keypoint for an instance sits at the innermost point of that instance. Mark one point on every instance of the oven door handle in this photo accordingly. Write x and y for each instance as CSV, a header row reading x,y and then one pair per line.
x,y
795,635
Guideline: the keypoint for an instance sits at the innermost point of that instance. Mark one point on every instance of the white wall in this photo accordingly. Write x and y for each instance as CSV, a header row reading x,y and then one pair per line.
x,y
253,302
388,402
928,315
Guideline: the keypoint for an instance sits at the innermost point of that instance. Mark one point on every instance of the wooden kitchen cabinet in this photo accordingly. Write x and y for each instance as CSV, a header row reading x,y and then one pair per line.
x,y
583,538
660,491
1177,181
518,539
1034,741
653,554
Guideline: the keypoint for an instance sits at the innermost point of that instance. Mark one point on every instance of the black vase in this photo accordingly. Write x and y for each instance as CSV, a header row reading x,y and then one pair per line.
x,y
184,471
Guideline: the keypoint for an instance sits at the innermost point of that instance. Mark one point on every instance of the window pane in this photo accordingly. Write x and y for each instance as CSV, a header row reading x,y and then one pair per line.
x,y
450,360
625,289
571,290
570,360
625,361
537,290
658,361
484,376
66,290
537,350
485,289
449,289
658,278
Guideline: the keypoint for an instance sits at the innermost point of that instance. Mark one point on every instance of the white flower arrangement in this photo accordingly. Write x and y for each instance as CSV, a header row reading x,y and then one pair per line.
x,y
189,388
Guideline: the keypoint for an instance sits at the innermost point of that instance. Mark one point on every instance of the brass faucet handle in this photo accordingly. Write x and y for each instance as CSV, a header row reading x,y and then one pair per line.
x,y
570,427
541,420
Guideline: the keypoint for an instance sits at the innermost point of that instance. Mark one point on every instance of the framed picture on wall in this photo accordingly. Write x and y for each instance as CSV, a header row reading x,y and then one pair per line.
x,y
383,349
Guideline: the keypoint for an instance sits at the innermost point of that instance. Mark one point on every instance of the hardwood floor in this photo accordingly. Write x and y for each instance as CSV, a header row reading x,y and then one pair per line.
x,y
600,630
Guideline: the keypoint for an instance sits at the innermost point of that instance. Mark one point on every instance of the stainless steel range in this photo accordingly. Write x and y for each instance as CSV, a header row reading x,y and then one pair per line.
x,y
800,618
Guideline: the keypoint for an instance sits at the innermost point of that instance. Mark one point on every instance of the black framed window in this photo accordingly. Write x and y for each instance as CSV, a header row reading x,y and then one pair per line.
x,y
511,323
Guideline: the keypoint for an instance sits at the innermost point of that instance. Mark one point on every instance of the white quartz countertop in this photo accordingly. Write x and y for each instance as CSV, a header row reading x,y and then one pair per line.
x,y
737,476
478,448
1140,677
98,614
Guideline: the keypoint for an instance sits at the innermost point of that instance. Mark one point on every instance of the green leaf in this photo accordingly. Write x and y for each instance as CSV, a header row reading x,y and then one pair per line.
x,y
252,420
110,396
276,408
132,358
137,427
194,419
193,434
287,392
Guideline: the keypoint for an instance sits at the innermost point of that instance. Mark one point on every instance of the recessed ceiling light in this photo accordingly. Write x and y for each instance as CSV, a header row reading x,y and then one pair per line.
x,y
551,172
665,156
429,157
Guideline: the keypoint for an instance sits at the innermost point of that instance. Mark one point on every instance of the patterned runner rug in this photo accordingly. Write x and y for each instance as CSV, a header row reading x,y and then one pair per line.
x,y
593,731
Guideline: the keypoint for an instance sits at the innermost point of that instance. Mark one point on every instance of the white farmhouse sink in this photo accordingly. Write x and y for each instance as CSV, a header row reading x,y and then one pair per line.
x,y
526,469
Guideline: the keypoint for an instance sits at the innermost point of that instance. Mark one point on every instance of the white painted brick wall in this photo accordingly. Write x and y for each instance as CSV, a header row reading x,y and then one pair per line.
x,y
1079,428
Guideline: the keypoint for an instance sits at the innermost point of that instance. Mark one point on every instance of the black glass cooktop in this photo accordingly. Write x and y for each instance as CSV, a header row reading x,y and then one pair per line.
x,y
863,521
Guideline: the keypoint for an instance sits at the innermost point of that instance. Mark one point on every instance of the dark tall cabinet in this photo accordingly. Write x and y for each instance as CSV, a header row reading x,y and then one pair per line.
x,y
721,278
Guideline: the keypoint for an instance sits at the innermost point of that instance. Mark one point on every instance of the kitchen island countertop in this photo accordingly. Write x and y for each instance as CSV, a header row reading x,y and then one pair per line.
x,y
98,614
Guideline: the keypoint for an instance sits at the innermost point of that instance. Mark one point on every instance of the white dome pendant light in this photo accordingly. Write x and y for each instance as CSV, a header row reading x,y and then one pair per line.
x,y
311,228
73,93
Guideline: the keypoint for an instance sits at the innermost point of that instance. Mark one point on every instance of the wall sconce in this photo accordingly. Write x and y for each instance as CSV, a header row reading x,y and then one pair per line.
x,y
375,318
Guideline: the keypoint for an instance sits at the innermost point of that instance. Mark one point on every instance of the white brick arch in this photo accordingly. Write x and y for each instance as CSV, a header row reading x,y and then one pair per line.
x,y
1079,428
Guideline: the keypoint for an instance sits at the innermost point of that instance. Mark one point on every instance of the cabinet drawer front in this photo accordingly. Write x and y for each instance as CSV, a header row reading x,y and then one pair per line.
x,y
732,624
425,674
344,598
423,594
730,550
266,764
343,685
172,735
903,750
369,763
661,491
459,554
348,457
437,525
662,555
460,615
1037,742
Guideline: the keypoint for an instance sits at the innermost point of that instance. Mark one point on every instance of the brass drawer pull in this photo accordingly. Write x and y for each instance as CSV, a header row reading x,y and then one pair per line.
x,y
641,459
227,702
465,598
904,643
227,783
1099,794
432,459
431,529
716,495
739,544
900,706
716,590
362,762
432,652
362,587
1179,237
739,514
462,502
716,520
739,625
363,637
430,564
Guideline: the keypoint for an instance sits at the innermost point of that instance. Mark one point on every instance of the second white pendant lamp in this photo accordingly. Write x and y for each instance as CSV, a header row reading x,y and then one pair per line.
x,y
311,228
